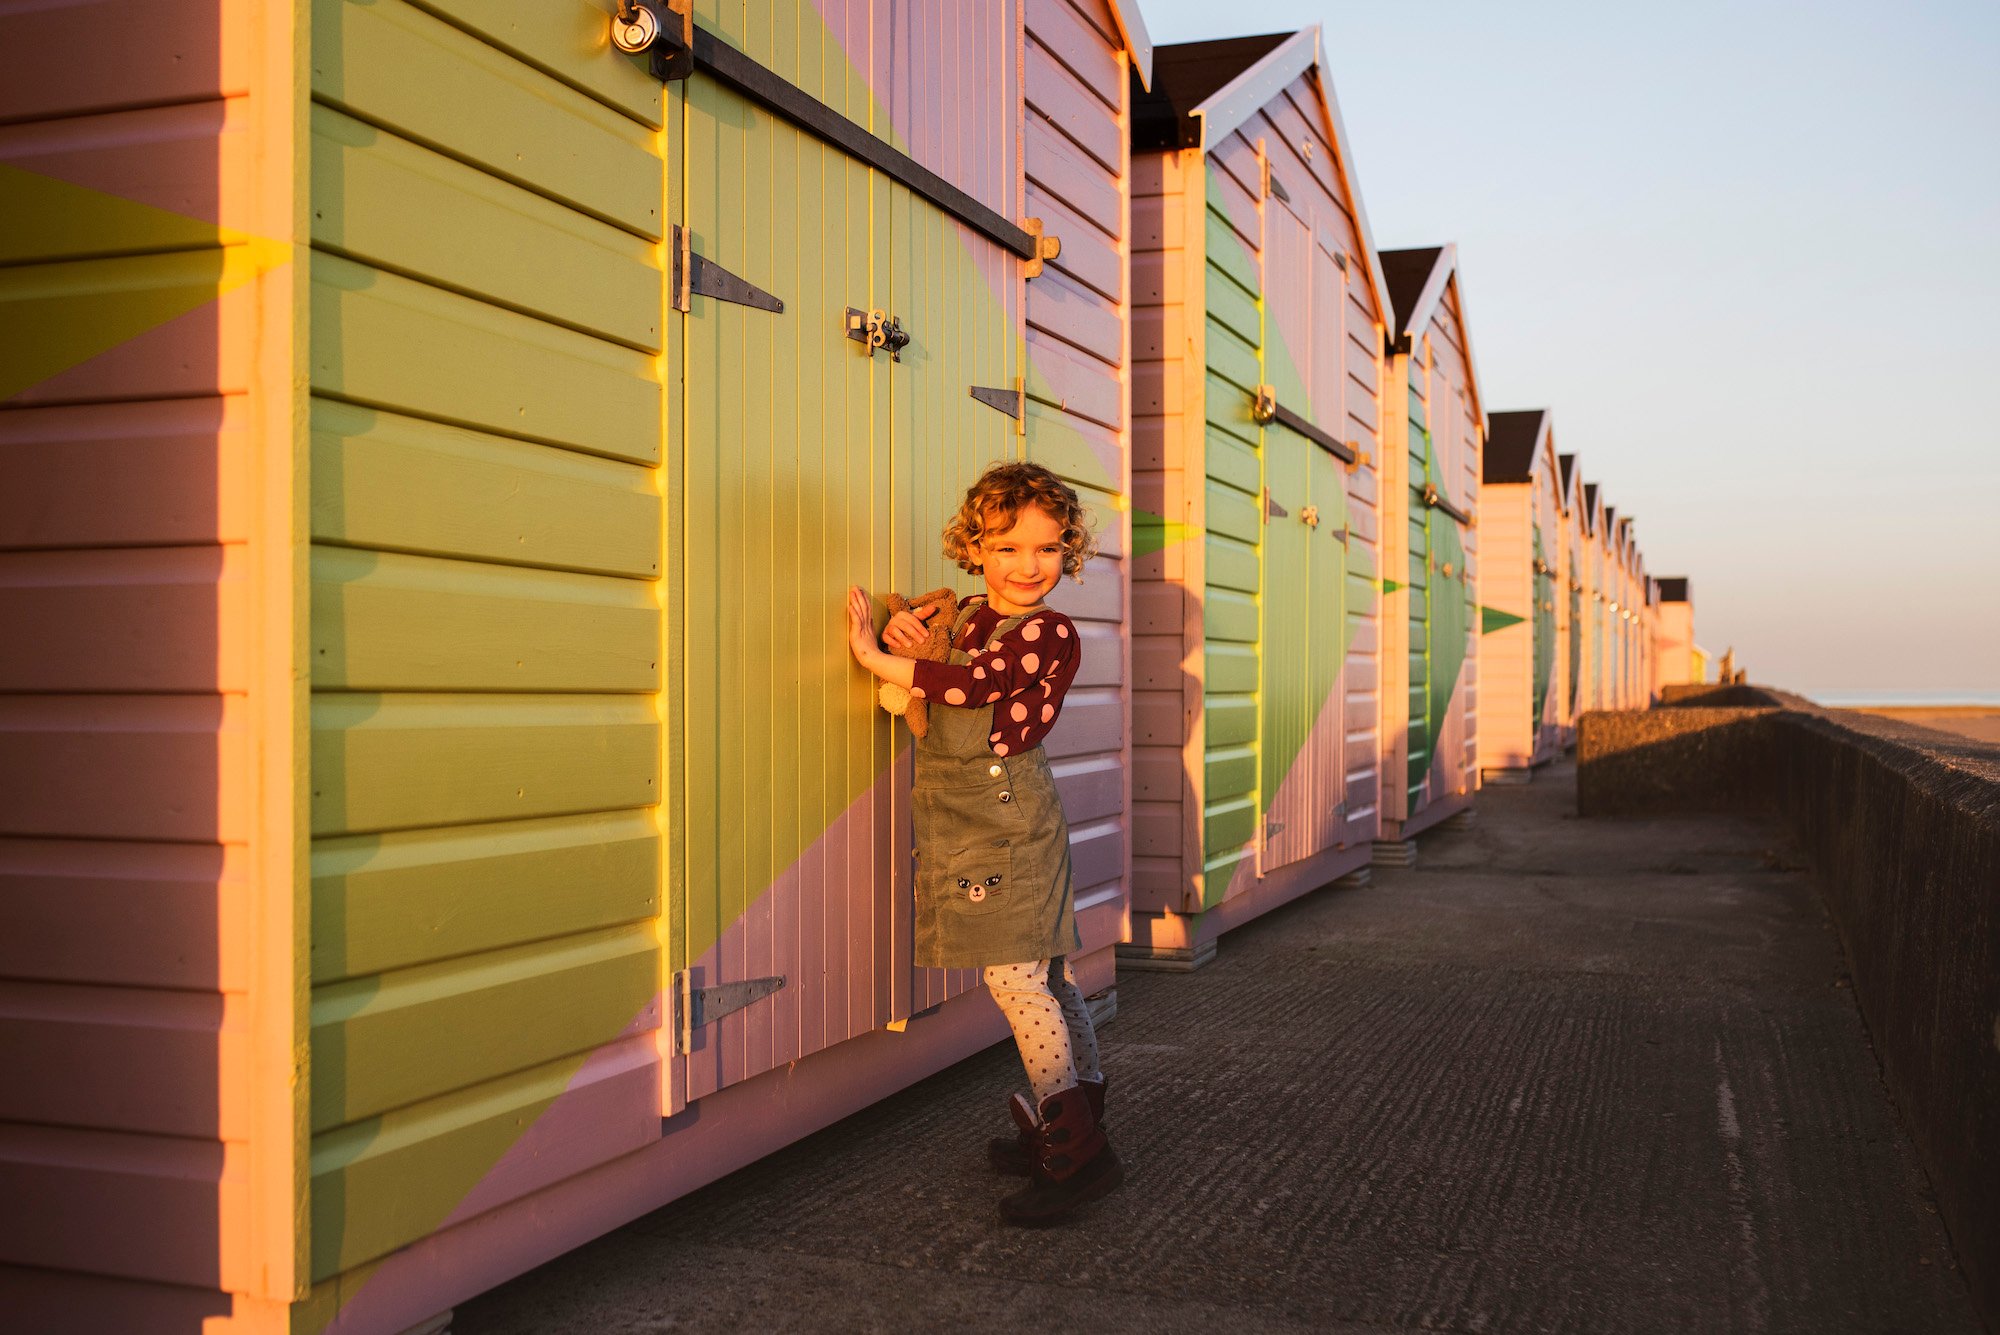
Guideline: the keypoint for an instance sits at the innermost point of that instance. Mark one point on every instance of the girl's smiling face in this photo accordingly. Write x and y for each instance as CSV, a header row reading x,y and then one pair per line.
x,y
1022,564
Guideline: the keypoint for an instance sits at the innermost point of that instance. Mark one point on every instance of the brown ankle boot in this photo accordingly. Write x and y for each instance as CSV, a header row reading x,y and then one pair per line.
x,y
1015,1155
1073,1163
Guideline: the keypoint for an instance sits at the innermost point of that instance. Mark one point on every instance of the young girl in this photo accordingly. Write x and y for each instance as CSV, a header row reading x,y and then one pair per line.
x,y
993,870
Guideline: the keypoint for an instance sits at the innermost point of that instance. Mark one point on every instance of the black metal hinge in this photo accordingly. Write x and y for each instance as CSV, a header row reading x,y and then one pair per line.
x,y
712,56
1266,408
698,1006
1013,402
694,276
1435,499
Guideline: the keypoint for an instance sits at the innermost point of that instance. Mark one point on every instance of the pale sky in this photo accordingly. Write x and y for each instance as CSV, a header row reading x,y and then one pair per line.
x,y
1750,255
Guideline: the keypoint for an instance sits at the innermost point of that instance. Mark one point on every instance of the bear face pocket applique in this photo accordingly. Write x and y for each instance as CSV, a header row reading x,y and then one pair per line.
x,y
975,880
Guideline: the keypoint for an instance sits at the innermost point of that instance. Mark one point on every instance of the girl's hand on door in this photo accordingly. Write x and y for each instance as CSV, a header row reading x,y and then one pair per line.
x,y
861,641
867,650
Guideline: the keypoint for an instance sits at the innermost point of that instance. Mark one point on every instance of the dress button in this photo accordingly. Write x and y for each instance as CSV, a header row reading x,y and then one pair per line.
x,y
1006,796
995,770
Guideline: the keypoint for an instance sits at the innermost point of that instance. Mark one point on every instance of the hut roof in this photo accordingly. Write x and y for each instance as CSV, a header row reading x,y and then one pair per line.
x,y
1417,282
1566,483
1185,75
1132,27
1513,443
1409,273
1673,589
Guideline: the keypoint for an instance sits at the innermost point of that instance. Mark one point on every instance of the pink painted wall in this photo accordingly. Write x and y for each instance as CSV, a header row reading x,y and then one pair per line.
x,y
148,784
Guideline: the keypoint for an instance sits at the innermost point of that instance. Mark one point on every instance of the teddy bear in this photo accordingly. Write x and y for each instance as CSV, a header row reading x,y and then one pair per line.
x,y
934,647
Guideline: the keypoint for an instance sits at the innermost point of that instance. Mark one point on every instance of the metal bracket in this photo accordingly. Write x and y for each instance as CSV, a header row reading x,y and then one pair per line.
x,y
1273,510
698,1006
1277,187
1013,402
695,276
1046,247
673,49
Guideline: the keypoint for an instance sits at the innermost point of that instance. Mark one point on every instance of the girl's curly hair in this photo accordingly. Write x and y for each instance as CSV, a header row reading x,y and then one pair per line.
x,y
991,504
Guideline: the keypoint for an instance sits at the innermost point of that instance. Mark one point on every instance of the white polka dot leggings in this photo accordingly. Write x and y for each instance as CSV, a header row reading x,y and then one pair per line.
x,y
1051,1024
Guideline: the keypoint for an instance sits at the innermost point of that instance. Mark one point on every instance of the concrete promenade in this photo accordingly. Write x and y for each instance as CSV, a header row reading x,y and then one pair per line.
x,y
1565,1075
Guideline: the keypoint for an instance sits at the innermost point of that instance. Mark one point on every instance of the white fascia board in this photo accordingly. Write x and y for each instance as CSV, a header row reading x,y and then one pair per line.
x,y
1229,106
1138,42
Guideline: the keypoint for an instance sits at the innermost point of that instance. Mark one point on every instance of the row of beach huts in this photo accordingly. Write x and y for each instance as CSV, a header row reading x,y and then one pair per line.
x,y
439,820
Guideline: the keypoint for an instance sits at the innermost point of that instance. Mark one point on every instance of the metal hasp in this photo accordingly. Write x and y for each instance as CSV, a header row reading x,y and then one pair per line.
x,y
697,277
717,58
1436,501
663,27
698,1006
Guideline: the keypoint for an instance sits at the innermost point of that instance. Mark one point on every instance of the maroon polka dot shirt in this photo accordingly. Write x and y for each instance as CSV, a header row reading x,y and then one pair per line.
x,y
1024,676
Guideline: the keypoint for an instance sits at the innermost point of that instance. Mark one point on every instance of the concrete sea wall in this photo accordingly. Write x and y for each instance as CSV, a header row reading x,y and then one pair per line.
x,y
1902,827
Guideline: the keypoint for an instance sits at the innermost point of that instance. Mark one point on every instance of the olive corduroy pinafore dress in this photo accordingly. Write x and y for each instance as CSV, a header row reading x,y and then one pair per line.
x,y
993,870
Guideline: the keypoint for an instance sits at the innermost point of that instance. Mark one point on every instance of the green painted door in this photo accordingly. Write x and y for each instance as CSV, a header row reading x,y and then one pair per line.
x,y
1575,646
1287,614
1545,637
782,435
956,296
1421,736
1285,601
802,462
1440,598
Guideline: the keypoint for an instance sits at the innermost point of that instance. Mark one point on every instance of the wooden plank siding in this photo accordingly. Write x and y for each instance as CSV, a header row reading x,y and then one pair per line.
x,y
1507,590
396,724
486,636
1077,178
150,804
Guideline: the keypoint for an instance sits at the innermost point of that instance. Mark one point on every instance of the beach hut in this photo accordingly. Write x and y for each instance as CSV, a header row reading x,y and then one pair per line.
x,y
1521,568
1595,620
1676,659
1611,548
1631,602
1257,332
1569,598
438,817
1433,437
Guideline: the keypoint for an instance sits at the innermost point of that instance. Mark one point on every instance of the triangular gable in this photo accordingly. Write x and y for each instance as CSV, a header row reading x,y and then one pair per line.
x,y
1593,509
1566,484
1235,102
1418,280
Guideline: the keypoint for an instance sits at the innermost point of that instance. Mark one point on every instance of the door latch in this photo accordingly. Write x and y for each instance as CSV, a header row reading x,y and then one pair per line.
x,y
876,330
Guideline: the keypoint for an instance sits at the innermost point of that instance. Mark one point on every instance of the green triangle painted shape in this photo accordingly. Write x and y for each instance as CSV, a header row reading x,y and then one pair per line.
x,y
1492,619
